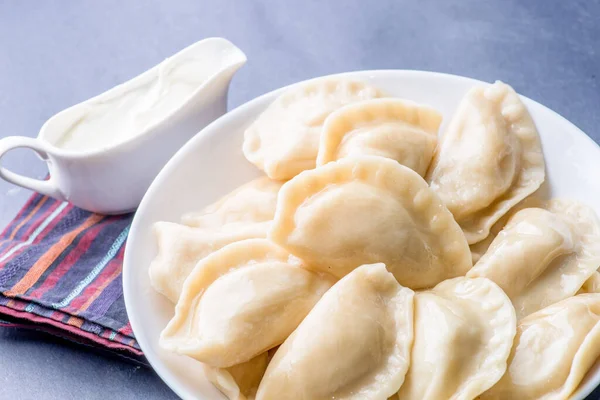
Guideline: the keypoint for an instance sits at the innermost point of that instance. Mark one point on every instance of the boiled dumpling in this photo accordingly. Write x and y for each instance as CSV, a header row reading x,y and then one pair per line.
x,y
180,247
251,203
464,331
543,256
553,350
488,160
241,381
241,301
392,128
354,344
284,140
369,209
245,213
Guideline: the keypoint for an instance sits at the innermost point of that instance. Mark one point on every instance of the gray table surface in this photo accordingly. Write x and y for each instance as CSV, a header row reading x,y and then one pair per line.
x,y
57,53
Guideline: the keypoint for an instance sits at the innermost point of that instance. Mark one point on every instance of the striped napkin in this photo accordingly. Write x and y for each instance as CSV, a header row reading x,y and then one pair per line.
x,y
60,271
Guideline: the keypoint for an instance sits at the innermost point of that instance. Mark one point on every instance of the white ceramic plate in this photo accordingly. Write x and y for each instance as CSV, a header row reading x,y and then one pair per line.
x,y
212,164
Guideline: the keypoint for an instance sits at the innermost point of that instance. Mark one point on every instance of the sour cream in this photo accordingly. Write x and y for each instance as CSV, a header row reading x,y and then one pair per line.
x,y
132,108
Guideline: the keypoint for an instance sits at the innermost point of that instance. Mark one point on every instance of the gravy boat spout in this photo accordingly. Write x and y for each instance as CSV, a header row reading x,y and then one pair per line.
x,y
103,153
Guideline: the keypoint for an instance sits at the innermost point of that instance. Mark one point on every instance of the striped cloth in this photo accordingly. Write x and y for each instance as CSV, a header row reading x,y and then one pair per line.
x,y
60,271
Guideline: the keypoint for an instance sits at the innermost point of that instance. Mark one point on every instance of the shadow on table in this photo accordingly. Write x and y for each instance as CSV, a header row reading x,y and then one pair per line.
x,y
40,365
15,330
22,336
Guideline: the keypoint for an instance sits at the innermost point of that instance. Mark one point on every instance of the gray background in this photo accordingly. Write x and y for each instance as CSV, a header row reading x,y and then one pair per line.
x,y
54,54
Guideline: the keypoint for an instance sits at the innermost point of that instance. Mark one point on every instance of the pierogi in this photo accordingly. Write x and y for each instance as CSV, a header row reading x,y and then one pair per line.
x,y
553,350
489,159
180,247
394,128
354,344
284,139
464,331
241,301
366,209
299,285
250,203
245,213
543,255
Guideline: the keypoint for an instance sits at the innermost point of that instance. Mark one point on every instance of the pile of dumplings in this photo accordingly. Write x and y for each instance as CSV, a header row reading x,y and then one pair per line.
x,y
375,262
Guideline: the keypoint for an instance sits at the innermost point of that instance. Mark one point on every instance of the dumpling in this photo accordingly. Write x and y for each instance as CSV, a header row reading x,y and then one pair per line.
x,y
553,350
241,381
543,256
354,344
180,247
284,140
368,209
251,203
488,160
245,213
464,331
398,129
241,301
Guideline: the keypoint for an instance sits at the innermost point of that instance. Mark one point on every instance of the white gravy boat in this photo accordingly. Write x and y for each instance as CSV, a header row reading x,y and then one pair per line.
x,y
108,170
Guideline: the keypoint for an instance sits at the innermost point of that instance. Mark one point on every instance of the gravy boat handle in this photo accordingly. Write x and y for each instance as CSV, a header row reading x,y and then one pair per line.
x,y
47,187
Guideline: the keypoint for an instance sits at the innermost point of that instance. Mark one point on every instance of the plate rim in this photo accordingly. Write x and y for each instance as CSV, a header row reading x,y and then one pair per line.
x,y
128,264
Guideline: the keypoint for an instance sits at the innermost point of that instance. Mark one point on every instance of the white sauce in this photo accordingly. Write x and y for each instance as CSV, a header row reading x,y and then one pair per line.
x,y
131,108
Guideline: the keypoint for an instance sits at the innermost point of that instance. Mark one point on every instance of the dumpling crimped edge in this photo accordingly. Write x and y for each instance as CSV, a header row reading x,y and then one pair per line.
x,y
403,319
208,270
278,168
532,168
345,119
584,358
490,298
382,173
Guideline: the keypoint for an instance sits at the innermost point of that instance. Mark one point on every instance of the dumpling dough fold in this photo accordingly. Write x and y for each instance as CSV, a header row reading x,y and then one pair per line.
x,y
592,285
241,301
251,203
489,159
284,139
367,209
543,255
553,350
354,344
180,247
393,128
464,331
245,213
479,249
241,381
